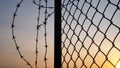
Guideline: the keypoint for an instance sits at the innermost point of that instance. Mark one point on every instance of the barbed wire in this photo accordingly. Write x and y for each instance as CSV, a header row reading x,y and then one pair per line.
x,y
47,15
38,26
45,34
14,36
34,1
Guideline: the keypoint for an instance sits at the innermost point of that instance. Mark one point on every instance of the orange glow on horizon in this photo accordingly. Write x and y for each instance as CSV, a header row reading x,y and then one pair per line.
x,y
118,65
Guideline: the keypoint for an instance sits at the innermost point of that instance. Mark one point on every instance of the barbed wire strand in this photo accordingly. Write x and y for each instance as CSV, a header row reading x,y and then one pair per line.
x,y
45,35
14,37
47,15
34,1
38,26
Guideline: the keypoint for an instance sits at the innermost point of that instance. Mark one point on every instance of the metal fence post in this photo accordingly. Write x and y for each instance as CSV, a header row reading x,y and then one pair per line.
x,y
57,34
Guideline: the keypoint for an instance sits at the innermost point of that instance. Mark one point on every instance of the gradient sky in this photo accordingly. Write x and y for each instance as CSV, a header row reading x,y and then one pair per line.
x,y
68,48
25,33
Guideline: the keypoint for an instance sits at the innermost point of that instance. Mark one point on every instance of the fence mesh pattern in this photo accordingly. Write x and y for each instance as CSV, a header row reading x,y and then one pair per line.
x,y
90,33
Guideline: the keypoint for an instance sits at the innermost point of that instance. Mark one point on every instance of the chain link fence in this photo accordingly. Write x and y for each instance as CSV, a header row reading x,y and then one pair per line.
x,y
90,33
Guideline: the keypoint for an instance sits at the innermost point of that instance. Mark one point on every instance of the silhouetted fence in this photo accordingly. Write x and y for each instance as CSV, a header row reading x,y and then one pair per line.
x,y
86,35
43,9
90,33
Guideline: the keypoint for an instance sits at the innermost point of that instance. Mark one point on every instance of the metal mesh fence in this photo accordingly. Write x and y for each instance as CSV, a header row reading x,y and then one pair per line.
x,y
90,33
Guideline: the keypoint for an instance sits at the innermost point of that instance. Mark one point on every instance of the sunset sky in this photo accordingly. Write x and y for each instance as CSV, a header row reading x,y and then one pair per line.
x,y
93,45
25,32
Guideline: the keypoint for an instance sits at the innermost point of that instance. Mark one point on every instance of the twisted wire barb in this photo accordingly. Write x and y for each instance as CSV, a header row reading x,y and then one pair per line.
x,y
14,37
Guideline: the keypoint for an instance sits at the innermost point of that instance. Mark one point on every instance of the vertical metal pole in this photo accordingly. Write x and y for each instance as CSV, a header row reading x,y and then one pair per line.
x,y
57,34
